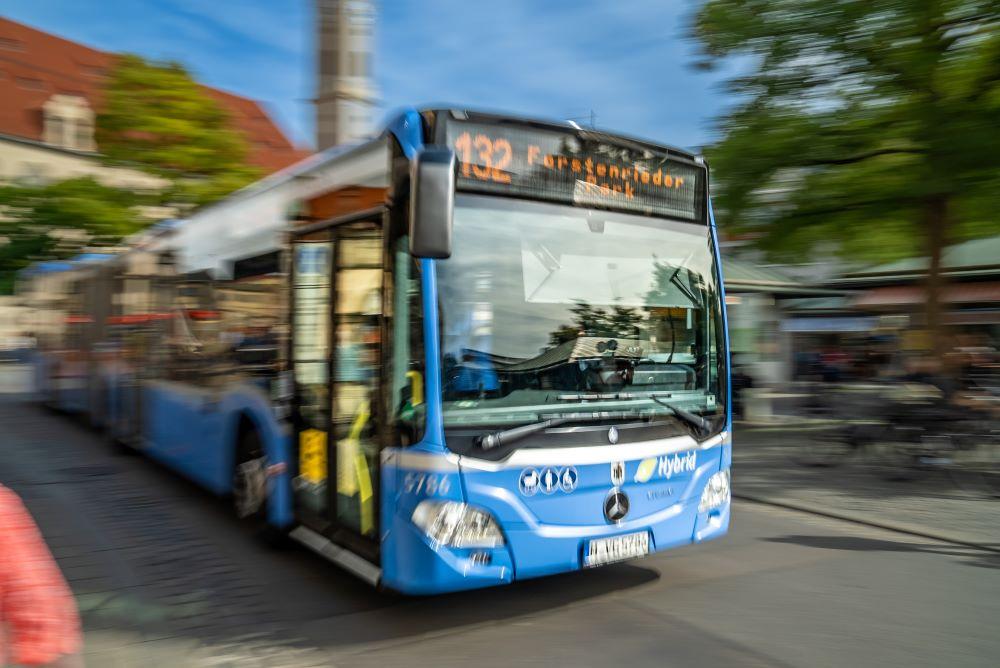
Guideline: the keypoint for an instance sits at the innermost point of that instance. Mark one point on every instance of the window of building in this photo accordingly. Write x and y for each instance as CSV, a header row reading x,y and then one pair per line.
x,y
53,129
69,122
84,135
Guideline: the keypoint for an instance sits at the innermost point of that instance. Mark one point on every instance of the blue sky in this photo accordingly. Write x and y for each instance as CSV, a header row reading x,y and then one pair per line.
x,y
625,60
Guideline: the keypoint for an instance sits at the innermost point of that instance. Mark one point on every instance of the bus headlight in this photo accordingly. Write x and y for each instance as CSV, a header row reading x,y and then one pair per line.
x,y
457,524
716,491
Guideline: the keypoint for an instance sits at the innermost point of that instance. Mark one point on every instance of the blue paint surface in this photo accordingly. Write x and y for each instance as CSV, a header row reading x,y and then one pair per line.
x,y
195,432
547,533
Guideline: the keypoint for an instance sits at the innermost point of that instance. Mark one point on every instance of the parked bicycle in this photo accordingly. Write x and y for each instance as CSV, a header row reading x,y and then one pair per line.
x,y
902,431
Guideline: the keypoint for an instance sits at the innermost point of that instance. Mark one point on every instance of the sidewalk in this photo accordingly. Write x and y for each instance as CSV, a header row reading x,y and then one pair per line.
x,y
931,505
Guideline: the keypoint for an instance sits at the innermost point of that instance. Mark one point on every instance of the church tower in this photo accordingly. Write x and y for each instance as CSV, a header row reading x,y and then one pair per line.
x,y
345,94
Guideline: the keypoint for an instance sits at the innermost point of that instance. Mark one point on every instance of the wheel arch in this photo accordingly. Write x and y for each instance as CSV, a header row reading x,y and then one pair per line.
x,y
248,408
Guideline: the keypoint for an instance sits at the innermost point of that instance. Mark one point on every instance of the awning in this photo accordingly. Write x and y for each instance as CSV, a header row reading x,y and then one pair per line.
x,y
838,324
985,292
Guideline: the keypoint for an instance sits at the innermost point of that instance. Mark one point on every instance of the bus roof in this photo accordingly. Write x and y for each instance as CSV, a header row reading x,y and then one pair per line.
x,y
499,117
212,238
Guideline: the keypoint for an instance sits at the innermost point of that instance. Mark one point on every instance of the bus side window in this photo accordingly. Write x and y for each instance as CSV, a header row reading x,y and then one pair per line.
x,y
407,392
195,347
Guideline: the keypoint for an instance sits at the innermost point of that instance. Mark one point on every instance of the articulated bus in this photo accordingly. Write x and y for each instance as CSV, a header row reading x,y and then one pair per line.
x,y
472,350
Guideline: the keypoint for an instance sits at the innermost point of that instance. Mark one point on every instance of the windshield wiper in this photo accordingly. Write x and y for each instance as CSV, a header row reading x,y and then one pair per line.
x,y
698,422
496,439
686,290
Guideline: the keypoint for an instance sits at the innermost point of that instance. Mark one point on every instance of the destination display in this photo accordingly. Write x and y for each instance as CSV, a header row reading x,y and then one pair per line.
x,y
574,167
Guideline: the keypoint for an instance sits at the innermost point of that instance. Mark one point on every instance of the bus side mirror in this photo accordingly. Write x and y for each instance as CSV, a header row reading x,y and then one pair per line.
x,y
432,202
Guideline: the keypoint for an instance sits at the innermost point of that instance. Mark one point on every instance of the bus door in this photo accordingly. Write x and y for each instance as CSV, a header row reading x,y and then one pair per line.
x,y
337,324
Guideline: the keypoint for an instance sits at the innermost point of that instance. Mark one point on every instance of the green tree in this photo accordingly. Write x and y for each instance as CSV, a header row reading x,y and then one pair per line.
x,y
56,221
158,118
618,321
867,125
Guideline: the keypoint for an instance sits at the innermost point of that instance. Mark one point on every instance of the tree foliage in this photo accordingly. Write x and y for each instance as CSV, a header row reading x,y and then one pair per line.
x,y
157,117
855,114
615,321
868,125
56,221
154,118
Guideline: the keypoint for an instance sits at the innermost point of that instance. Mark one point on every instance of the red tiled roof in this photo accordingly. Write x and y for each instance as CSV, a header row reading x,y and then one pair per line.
x,y
35,65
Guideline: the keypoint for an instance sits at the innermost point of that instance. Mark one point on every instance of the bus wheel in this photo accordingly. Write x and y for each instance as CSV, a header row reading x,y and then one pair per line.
x,y
250,488
250,476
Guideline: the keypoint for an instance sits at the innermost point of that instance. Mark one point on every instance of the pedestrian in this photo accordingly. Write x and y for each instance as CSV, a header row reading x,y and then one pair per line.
x,y
39,624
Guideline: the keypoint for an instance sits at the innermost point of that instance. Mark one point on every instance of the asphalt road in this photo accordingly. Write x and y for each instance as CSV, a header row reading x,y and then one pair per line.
x,y
165,577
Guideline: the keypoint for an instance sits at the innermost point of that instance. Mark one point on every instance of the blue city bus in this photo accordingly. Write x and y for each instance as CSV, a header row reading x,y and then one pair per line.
x,y
472,350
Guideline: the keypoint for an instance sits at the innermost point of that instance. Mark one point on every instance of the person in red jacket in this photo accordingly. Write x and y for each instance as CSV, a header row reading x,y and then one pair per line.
x,y
39,623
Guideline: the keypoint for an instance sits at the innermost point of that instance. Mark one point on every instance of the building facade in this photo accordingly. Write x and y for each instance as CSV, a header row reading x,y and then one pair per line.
x,y
52,90
345,94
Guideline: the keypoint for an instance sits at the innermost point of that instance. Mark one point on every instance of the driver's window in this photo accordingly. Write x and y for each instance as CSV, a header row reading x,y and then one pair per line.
x,y
408,403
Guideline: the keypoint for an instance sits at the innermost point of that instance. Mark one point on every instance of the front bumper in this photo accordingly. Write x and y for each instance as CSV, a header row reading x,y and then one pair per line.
x,y
419,567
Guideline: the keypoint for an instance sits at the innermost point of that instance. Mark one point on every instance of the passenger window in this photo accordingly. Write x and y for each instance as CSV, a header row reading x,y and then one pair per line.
x,y
357,336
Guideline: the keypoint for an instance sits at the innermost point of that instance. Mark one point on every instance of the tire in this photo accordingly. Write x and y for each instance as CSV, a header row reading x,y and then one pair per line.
x,y
249,489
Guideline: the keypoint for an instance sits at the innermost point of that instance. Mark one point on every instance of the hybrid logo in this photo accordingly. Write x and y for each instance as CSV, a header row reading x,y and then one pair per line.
x,y
669,466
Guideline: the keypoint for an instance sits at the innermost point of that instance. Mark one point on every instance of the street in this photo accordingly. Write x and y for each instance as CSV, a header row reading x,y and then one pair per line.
x,y
164,576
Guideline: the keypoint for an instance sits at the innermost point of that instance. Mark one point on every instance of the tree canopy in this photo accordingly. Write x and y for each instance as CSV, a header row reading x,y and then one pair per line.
x,y
157,117
863,126
56,221
588,320
860,122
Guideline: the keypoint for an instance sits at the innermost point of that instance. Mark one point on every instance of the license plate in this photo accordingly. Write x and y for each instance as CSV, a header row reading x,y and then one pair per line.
x,y
608,550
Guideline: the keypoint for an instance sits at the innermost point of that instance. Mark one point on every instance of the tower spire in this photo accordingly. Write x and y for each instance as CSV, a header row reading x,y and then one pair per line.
x,y
345,94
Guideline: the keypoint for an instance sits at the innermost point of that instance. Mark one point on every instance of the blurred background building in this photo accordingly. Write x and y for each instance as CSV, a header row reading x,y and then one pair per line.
x,y
345,92
781,316
971,295
52,91
887,300
760,337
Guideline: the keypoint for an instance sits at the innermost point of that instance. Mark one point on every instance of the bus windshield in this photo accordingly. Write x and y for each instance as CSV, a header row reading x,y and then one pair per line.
x,y
550,309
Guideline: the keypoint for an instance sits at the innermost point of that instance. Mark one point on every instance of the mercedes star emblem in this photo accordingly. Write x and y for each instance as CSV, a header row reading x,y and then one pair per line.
x,y
616,505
